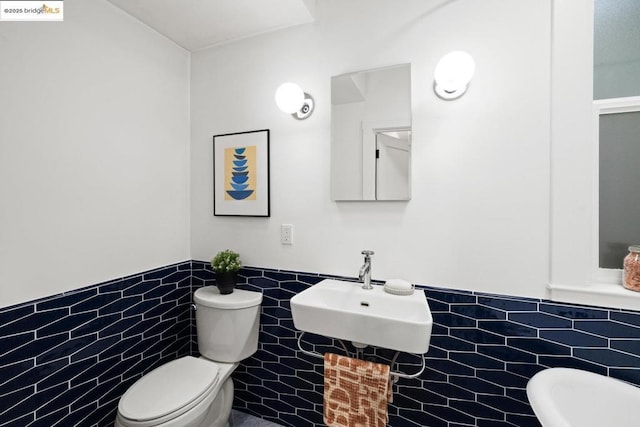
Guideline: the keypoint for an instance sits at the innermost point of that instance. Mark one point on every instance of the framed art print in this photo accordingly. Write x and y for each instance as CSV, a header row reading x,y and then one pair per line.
x,y
241,174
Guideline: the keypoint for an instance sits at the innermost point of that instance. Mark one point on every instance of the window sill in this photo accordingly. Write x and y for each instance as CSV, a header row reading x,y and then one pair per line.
x,y
598,294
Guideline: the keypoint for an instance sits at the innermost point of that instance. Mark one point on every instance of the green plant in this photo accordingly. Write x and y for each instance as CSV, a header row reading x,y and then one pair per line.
x,y
226,260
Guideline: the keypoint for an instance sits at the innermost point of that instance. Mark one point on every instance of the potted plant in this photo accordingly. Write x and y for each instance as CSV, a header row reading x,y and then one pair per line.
x,y
226,265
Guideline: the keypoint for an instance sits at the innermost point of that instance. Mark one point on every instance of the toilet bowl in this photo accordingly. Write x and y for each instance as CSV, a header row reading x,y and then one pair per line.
x,y
198,392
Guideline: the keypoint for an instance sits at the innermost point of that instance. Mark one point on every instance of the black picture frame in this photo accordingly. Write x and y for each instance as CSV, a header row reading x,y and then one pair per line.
x,y
241,176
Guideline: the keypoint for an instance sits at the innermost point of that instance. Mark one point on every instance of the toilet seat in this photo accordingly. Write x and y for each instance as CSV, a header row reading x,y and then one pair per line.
x,y
169,391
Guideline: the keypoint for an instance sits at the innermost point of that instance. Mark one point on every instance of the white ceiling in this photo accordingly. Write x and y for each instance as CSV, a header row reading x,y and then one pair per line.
x,y
197,24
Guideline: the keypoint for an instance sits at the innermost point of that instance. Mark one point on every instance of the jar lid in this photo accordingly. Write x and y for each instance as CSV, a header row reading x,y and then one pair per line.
x,y
634,248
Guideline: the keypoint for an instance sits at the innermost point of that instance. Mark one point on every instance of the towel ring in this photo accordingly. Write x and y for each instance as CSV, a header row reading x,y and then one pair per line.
x,y
392,373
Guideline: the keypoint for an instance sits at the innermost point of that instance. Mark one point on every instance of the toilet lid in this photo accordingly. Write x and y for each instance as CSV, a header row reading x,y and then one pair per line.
x,y
210,296
168,389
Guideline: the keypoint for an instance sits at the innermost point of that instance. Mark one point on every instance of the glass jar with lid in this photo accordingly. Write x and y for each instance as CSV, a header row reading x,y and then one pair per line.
x,y
631,269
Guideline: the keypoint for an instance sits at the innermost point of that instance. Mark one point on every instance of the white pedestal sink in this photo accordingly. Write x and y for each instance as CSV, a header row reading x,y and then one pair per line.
x,y
564,397
344,310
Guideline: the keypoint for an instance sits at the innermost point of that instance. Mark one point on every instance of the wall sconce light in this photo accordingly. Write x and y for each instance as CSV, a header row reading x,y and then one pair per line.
x,y
293,100
453,74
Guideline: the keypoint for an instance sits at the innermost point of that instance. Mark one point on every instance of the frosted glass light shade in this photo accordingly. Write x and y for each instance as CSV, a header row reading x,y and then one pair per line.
x,y
289,97
453,74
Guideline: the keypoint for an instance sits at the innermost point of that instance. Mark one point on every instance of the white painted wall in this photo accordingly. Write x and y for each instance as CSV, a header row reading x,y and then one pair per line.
x,y
479,214
94,167
573,256
94,130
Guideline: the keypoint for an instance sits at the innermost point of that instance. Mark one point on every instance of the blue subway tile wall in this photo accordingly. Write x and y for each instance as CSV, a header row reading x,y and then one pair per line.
x,y
67,359
484,349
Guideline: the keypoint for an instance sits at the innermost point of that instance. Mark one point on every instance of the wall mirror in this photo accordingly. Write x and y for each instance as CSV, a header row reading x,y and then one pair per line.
x,y
616,89
371,134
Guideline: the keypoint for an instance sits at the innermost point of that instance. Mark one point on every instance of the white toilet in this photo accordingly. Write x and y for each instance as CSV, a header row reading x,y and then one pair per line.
x,y
198,392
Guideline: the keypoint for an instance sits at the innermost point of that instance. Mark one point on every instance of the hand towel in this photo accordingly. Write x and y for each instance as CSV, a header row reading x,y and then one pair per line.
x,y
356,392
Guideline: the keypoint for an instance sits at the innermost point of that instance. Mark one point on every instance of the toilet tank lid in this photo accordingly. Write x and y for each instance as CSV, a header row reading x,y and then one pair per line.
x,y
209,296
168,389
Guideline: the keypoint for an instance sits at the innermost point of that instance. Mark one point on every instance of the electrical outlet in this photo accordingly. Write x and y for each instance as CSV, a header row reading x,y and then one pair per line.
x,y
286,234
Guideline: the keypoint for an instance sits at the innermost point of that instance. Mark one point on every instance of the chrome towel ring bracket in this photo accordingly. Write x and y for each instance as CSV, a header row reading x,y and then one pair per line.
x,y
394,374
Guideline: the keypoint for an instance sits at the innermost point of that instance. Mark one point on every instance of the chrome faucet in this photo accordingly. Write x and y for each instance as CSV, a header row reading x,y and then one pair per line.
x,y
365,270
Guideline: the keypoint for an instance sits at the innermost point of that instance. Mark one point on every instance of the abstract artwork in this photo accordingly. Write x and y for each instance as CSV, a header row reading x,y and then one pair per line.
x,y
241,174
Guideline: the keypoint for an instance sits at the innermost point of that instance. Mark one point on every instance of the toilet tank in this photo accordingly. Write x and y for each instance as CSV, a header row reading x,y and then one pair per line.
x,y
228,324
